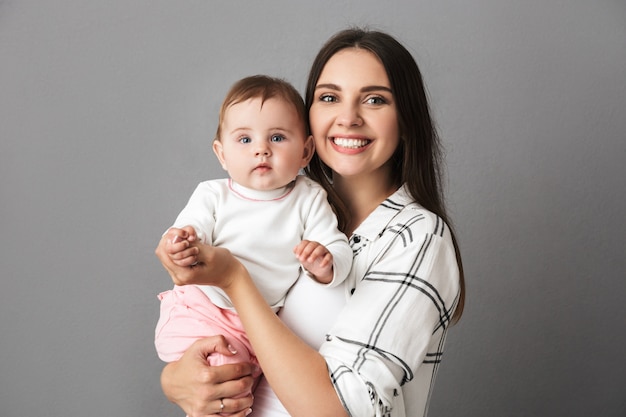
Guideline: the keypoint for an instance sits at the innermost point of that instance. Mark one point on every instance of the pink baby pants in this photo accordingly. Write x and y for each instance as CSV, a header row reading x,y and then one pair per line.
x,y
187,315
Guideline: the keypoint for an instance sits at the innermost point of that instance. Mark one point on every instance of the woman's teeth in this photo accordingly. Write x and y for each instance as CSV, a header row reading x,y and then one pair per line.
x,y
350,143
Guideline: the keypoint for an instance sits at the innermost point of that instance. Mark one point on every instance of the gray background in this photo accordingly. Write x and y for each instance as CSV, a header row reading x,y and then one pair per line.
x,y
107,109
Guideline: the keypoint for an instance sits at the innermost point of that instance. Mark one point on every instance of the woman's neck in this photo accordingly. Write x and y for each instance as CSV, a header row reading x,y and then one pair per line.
x,y
362,196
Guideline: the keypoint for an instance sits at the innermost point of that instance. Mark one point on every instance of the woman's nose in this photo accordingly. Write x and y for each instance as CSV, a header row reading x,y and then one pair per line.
x,y
349,116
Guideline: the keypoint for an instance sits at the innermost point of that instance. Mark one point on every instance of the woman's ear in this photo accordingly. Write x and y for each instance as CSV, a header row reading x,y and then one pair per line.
x,y
309,149
219,152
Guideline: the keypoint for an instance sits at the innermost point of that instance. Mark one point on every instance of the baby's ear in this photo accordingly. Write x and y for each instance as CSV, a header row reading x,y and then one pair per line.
x,y
219,152
309,149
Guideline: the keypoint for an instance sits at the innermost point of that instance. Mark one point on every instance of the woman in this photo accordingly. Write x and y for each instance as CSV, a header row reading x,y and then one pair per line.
x,y
379,158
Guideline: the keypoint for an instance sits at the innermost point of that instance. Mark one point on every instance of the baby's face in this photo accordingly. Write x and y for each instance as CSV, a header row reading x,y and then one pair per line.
x,y
263,146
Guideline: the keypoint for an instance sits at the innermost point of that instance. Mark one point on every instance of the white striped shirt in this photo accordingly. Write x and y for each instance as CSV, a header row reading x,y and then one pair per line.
x,y
384,349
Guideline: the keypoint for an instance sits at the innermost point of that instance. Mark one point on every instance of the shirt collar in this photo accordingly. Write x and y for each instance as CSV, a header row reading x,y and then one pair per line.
x,y
260,195
377,221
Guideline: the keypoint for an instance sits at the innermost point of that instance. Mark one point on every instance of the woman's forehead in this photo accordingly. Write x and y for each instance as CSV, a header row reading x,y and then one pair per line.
x,y
354,66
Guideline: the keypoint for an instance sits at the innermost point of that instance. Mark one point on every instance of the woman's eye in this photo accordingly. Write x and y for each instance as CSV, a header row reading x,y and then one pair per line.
x,y
328,98
375,100
245,139
277,138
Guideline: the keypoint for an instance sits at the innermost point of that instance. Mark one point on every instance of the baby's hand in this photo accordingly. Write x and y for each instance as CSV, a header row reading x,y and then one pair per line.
x,y
179,245
316,259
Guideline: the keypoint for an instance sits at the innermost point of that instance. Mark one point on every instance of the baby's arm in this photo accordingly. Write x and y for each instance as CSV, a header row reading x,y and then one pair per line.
x,y
316,259
178,241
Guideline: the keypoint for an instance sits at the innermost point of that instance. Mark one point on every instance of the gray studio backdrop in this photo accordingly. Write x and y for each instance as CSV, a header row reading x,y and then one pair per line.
x,y
106,114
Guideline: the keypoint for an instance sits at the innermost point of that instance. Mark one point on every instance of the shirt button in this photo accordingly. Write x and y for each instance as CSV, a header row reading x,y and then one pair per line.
x,y
357,239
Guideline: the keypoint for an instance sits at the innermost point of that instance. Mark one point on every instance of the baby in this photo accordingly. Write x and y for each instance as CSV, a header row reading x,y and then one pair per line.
x,y
276,222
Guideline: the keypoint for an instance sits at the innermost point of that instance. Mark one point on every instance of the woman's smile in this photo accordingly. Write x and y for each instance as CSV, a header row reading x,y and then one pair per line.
x,y
350,143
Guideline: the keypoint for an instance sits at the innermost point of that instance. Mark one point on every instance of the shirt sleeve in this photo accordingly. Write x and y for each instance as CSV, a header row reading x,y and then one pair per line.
x,y
321,226
199,213
402,302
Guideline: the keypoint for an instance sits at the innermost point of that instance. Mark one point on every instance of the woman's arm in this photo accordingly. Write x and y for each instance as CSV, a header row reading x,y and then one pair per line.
x,y
297,373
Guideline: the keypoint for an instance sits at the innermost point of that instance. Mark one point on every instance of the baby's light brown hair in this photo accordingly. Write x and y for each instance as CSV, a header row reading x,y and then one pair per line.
x,y
265,88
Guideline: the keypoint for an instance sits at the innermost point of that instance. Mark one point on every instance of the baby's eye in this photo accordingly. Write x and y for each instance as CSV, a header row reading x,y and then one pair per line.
x,y
277,138
245,139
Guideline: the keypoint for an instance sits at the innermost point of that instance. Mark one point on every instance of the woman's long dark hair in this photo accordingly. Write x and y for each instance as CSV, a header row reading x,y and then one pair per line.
x,y
418,160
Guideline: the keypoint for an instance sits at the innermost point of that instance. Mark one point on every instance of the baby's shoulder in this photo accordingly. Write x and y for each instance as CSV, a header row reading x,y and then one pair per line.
x,y
306,185
219,185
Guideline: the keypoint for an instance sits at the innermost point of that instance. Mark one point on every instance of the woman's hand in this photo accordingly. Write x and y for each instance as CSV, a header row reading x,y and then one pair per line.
x,y
197,263
200,389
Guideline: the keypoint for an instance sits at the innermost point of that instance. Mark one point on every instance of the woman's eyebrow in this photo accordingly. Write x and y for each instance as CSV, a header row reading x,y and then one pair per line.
x,y
328,86
370,88
365,89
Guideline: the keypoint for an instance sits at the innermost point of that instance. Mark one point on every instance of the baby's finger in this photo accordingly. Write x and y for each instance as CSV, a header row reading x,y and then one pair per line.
x,y
326,260
309,249
300,247
322,262
190,233
317,252
175,231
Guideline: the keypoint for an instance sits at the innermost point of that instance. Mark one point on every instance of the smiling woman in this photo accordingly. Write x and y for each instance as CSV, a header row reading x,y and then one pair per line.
x,y
405,287
354,122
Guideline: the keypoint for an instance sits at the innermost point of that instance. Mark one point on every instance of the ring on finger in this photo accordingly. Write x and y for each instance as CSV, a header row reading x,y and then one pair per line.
x,y
221,405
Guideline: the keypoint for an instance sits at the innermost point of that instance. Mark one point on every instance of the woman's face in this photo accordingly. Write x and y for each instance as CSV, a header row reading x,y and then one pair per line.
x,y
353,115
